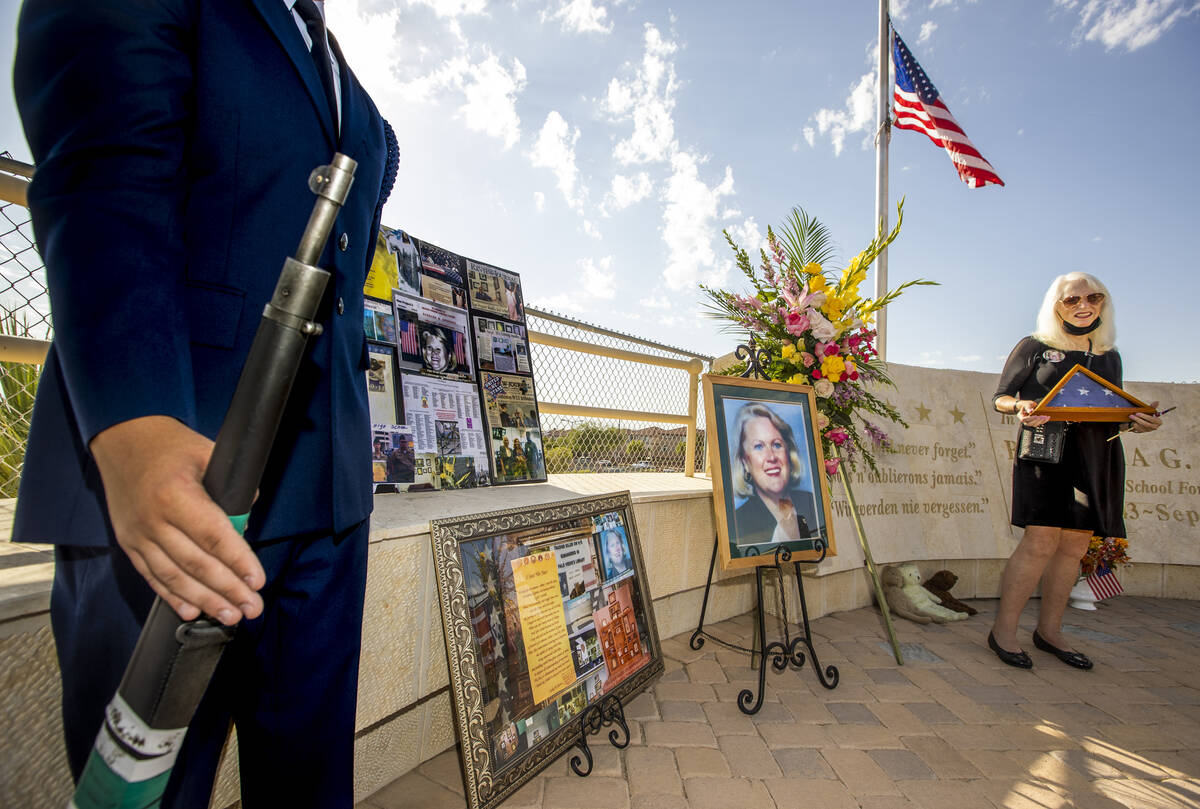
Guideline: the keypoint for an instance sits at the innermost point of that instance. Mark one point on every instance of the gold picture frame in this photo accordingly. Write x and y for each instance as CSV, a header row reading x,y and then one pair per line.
x,y
747,529
518,702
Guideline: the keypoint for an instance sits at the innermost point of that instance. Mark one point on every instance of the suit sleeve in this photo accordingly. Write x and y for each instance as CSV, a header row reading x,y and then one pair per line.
x,y
103,87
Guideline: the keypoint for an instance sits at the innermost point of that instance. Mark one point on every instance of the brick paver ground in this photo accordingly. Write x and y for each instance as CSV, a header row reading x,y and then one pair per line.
x,y
953,727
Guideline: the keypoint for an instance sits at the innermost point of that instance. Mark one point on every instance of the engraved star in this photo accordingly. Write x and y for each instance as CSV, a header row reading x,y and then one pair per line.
x,y
923,412
958,415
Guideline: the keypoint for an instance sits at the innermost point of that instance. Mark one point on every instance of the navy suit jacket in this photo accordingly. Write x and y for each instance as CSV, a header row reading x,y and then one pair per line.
x,y
173,142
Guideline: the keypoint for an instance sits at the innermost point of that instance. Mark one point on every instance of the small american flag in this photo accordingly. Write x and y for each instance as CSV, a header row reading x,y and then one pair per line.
x,y
1104,584
919,108
408,337
460,349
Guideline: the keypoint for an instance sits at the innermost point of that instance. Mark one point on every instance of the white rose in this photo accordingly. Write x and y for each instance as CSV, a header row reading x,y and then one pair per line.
x,y
823,388
822,329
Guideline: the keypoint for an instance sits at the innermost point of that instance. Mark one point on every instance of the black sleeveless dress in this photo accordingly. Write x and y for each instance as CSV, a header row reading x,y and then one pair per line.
x,y
1086,489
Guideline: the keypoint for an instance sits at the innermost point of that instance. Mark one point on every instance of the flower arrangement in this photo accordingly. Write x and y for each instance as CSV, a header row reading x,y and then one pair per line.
x,y
815,328
1104,553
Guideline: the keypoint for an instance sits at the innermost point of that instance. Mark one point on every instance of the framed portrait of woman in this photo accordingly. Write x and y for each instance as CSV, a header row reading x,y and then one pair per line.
x,y
769,484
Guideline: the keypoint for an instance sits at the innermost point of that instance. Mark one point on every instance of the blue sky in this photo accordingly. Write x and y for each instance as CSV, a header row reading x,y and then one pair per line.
x,y
599,147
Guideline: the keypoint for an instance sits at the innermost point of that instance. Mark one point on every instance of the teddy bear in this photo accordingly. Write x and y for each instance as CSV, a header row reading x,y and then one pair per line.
x,y
939,585
905,596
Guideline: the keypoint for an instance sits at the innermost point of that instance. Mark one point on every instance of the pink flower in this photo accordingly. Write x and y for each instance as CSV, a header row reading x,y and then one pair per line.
x,y
807,359
796,324
831,466
854,341
838,436
831,350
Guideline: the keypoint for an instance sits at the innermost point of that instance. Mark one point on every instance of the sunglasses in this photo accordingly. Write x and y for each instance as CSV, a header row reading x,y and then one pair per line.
x,y
1095,299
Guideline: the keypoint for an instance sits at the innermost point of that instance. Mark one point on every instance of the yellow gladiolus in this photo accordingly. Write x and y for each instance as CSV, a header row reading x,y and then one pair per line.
x,y
788,351
798,379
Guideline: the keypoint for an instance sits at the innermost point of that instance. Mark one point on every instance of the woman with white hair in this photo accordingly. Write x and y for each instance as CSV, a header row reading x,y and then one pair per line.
x,y
767,468
1060,505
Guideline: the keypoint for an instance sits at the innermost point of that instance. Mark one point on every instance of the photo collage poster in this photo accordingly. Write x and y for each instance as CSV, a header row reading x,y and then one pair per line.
x,y
395,464
555,625
431,314
513,429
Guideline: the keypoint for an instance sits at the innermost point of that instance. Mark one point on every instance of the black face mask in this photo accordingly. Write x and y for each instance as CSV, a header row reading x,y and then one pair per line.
x,y
1071,328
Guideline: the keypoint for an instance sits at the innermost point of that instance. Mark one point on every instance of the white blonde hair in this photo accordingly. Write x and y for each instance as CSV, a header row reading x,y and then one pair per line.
x,y
1050,326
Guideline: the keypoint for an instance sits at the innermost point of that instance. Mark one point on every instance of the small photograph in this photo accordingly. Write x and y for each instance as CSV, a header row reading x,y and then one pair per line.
x,y
381,383
511,741
408,260
579,611
572,703
379,321
504,356
449,440
585,651
495,291
612,547
441,263
517,454
542,724
394,461
455,472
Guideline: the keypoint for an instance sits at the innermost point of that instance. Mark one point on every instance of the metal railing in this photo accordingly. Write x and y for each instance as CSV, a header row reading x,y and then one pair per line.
x,y
609,401
588,377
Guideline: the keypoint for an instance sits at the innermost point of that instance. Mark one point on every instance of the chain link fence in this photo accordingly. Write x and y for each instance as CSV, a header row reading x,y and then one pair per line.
x,y
562,376
566,377
24,312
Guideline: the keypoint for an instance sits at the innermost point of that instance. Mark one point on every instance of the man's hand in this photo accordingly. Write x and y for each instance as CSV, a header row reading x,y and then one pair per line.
x,y
175,535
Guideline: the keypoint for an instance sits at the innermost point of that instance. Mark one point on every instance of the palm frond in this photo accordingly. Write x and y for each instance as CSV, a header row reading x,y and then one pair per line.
x,y
806,240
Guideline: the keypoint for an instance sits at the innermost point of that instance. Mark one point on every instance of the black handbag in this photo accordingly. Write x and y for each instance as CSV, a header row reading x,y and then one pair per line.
x,y
1043,444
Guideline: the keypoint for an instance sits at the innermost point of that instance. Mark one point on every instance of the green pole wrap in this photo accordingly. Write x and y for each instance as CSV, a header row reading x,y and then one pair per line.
x,y
239,521
101,788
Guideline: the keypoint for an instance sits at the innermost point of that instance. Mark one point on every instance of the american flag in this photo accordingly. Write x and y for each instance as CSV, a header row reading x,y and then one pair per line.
x,y
919,108
408,337
1104,584
1083,391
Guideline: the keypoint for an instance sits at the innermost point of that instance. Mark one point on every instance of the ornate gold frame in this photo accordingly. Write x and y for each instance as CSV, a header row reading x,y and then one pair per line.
x,y
484,787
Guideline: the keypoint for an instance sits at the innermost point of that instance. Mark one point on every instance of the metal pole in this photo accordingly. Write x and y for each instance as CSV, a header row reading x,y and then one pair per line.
x,y
883,134
689,461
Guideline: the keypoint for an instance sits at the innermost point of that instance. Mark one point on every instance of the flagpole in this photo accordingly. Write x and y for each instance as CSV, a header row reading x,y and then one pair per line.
x,y
883,135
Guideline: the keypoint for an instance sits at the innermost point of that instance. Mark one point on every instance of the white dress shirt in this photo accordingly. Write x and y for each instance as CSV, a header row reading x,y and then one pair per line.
x,y
333,62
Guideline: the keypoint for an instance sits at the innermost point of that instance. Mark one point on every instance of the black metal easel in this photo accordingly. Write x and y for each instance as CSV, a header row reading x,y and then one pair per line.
x,y
786,652
607,711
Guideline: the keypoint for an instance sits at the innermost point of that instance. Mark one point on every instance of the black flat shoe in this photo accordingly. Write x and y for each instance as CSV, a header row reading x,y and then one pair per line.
x,y
1019,659
1076,659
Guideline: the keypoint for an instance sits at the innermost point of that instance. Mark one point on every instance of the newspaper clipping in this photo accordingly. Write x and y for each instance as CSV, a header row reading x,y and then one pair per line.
x,y
432,337
445,419
381,383
513,428
395,464
495,291
501,346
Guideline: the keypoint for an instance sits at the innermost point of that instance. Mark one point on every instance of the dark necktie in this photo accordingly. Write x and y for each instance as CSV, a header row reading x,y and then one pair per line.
x,y
319,51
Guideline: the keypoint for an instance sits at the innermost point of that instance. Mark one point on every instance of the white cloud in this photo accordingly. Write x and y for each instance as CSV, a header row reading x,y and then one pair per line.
x,y
899,9
627,191
857,116
491,93
562,302
647,99
689,223
967,358
598,279
590,229
580,17
810,136
654,301
931,359
938,3
539,201
927,29
748,236
1131,24
453,8
555,150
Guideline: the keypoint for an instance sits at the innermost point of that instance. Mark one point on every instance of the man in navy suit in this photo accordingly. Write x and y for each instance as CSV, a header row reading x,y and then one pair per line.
x,y
173,142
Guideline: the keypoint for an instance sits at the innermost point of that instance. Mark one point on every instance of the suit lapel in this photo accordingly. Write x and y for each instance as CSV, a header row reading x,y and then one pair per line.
x,y
284,28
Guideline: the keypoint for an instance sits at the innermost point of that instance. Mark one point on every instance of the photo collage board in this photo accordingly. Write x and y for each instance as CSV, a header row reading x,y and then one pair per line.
x,y
449,379
546,611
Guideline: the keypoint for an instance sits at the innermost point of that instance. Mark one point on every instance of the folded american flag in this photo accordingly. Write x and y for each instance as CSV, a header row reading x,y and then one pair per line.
x,y
920,108
1104,584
